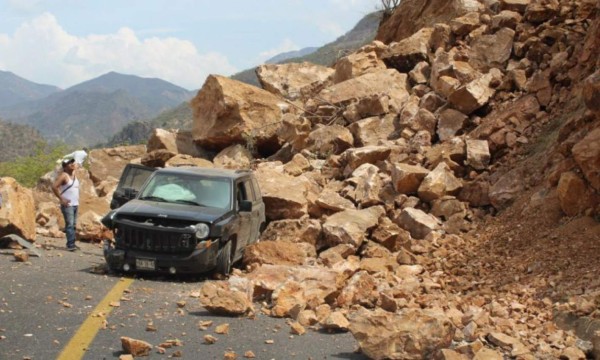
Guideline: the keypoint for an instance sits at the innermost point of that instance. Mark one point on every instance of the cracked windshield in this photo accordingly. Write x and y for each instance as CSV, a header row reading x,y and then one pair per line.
x,y
194,190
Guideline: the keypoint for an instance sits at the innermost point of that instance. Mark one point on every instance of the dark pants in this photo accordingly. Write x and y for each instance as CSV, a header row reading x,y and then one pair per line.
x,y
70,215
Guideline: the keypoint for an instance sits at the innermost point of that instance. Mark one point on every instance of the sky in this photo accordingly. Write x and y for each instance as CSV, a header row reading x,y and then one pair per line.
x,y
66,42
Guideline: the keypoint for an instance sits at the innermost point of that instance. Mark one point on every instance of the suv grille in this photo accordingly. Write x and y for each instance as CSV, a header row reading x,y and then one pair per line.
x,y
164,240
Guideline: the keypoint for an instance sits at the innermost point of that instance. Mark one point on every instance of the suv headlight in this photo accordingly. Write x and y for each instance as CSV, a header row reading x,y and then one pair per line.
x,y
202,231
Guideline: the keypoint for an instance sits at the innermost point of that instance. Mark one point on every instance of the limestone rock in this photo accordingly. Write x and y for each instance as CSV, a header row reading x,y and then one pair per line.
x,y
475,94
293,230
228,111
17,214
587,155
492,50
233,157
478,154
450,122
439,182
294,80
372,130
572,194
329,140
280,202
135,347
387,82
407,178
175,141
356,157
350,226
105,163
410,334
278,253
407,53
356,64
417,222
232,297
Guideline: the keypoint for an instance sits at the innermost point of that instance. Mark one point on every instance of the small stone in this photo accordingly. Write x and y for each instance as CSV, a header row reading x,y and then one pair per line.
x,y
222,329
230,355
209,339
21,256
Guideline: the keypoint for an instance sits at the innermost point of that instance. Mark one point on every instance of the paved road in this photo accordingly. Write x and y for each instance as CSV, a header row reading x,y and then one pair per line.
x,y
58,306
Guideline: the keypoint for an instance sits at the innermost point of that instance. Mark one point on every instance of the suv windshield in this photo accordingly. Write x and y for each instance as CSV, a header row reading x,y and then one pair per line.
x,y
188,189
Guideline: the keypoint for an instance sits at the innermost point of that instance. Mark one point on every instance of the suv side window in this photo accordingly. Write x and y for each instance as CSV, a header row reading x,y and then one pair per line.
x,y
244,191
256,188
249,191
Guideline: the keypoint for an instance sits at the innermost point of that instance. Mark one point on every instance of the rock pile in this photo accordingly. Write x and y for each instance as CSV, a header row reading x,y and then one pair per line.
x,y
394,161
378,171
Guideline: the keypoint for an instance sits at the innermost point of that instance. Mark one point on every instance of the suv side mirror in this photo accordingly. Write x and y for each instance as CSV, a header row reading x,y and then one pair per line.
x,y
245,205
130,193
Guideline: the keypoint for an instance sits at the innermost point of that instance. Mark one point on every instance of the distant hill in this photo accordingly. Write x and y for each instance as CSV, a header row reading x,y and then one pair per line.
x,y
138,132
17,140
362,33
93,111
14,89
291,54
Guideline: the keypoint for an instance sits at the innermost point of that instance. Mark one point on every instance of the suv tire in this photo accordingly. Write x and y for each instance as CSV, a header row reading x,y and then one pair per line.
x,y
224,260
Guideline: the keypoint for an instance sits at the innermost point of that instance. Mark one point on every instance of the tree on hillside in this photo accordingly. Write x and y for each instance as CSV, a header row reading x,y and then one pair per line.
x,y
389,6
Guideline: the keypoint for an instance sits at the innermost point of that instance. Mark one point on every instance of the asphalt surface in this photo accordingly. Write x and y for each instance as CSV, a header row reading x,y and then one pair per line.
x,y
45,301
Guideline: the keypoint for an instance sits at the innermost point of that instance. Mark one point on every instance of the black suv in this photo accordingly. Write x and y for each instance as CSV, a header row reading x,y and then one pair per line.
x,y
182,219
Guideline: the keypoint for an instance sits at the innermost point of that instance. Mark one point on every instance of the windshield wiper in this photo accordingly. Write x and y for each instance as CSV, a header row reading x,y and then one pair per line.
x,y
153,198
190,202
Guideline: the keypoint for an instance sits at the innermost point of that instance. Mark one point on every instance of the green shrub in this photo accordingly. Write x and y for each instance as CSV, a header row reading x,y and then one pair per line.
x,y
28,170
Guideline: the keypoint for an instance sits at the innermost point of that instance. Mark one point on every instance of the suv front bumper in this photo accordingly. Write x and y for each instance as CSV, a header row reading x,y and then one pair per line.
x,y
198,261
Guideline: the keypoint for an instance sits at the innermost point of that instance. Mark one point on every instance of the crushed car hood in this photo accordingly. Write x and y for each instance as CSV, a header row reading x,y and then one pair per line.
x,y
170,211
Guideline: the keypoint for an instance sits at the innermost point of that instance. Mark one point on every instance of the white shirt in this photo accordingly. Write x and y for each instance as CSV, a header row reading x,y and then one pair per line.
x,y
78,155
70,191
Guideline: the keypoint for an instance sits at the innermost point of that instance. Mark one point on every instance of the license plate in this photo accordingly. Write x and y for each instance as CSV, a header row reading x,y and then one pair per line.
x,y
145,264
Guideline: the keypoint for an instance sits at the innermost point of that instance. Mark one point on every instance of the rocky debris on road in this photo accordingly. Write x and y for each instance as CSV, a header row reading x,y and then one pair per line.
x,y
402,231
445,183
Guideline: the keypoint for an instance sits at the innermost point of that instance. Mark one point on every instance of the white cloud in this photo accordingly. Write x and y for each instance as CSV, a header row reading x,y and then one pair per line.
x,y
42,51
285,46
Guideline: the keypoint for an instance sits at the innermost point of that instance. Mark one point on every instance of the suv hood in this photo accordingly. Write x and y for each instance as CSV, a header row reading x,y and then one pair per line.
x,y
170,211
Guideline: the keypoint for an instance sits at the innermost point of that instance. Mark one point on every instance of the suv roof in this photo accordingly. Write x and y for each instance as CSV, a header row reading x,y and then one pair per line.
x,y
233,174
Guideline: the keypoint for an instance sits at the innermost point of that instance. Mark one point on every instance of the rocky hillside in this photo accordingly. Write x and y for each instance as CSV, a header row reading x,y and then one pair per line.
x,y
445,183
14,89
18,140
91,112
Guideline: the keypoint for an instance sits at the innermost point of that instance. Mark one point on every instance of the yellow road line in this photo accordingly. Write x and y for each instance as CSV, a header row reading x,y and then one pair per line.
x,y
79,343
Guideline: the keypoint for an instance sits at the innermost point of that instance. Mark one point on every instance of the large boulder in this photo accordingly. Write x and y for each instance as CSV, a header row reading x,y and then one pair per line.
x,y
411,334
176,141
285,196
351,226
17,214
227,111
387,82
360,62
294,80
105,163
587,155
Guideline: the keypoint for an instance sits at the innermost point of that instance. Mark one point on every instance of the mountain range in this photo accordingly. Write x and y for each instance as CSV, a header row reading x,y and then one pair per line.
x,y
115,109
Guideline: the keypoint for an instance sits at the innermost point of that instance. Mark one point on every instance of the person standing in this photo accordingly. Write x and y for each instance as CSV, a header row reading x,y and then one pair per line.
x,y
66,189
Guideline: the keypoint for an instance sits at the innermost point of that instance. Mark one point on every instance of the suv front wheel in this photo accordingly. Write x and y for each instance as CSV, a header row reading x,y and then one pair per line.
x,y
224,260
